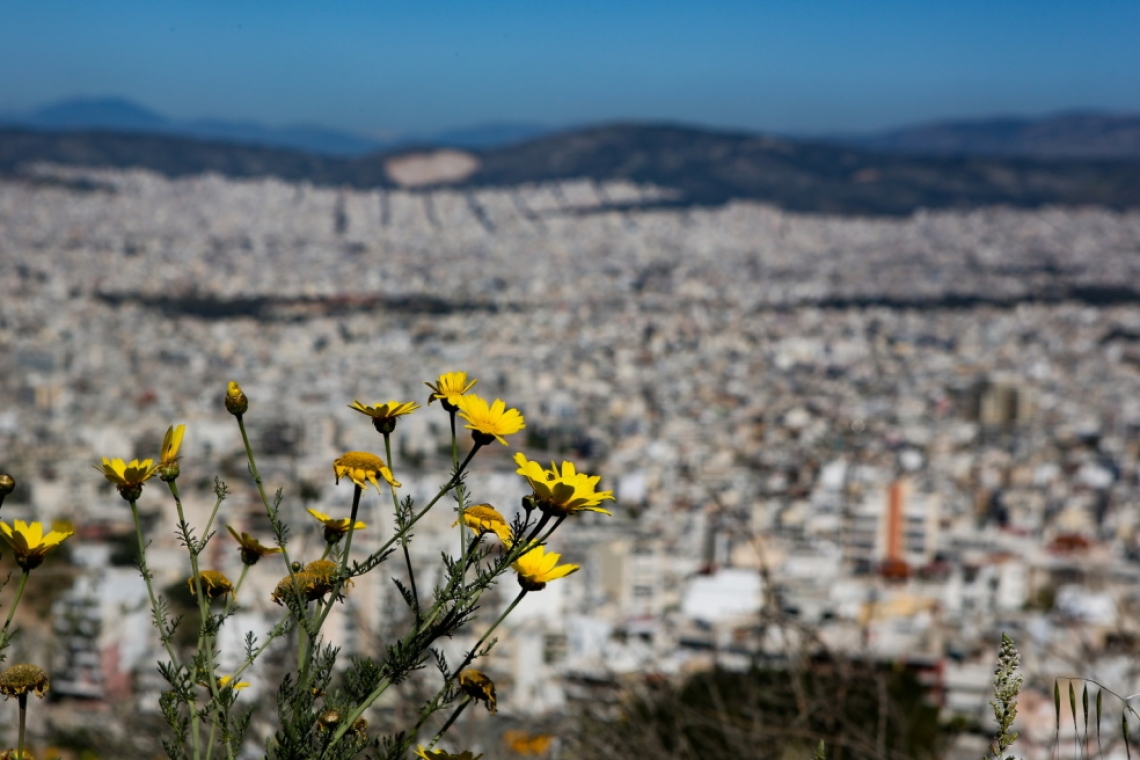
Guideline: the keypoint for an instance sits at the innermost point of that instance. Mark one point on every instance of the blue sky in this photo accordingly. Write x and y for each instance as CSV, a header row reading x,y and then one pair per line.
x,y
378,67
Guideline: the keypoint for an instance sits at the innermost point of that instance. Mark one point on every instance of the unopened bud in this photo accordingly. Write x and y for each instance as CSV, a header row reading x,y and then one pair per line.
x,y
168,473
236,402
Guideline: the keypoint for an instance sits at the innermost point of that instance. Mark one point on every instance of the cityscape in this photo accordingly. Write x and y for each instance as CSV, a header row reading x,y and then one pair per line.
x,y
888,438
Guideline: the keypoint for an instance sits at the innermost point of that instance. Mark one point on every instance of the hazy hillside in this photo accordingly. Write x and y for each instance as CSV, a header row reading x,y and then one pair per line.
x,y
702,167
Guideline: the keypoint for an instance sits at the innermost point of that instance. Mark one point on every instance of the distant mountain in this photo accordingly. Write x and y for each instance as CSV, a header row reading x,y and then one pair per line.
x,y
698,166
120,115
1078,134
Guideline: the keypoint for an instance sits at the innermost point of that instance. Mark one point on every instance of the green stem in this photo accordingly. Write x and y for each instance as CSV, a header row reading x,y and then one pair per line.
x,y
23,701
454,716
407,554
159,624
471,655
16,601
324,613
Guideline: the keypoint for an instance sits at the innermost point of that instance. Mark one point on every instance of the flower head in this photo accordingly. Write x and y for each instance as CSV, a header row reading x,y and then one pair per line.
x,y
168,461
439,754
384,415
225,681
7,485
310,583
128,478
483,518
20,679
489,423
236,402
335,529
29,543
538,567
215,584
251,549
448,387
363,468
563,493
522,743
479,687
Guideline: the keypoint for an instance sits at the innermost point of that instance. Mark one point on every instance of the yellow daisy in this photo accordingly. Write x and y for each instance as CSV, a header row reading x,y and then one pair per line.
x,y
563,493
168,461
363,468
128,478
251,549
489,423
448,387
483,518
224,681
538,567
29,543
479,687
384,415
335,528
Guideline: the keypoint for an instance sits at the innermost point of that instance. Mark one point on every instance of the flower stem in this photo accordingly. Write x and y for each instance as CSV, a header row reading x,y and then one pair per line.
x,y
454,716
16,601
23,701
403,543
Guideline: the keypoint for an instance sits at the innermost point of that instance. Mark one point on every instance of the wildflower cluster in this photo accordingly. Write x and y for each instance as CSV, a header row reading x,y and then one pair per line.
x,y
313,719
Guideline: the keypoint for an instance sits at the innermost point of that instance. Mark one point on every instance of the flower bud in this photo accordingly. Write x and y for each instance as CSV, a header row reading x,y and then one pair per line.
x,y
7,484
236,402
168,473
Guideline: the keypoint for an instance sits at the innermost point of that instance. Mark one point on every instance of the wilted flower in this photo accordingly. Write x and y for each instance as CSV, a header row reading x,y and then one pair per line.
x,y
489,423
363,468
312,582
128,478
384,415
483,518
215,584
29,543
563,493
251,549
479,687
448,387
335,528
537,567
20,679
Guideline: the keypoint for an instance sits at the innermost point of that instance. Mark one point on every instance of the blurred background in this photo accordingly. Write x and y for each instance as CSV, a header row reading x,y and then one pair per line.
x,y
839,299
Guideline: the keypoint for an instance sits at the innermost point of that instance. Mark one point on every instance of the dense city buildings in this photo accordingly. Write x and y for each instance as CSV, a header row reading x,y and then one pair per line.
x,y
906,434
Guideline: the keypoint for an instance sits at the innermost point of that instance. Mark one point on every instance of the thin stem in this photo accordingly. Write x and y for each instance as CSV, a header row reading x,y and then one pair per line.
x,y
160,625
404,543
23,700
471,655
454,716
16,601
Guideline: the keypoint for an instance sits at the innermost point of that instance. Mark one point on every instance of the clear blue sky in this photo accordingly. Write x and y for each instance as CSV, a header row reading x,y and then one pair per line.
x,y
377,67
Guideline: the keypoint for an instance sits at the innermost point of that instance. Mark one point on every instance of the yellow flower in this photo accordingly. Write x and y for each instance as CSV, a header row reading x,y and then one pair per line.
x,y
236,402
251,549
29,543
128,478
362,468
536,568
384,415
563,493
439,754
523,743
448,387
215,584
171,442
20,679
483,518
489,423
479,687
224,681
168,461
335,529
